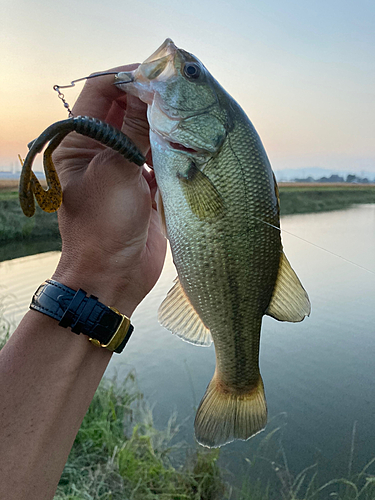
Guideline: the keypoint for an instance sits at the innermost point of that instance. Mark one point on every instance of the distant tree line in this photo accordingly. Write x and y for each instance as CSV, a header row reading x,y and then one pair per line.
x,y
351,178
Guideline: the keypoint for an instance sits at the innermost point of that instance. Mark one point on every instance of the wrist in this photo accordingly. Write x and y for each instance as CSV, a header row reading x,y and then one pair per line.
x,y
105,326
112,289
106,292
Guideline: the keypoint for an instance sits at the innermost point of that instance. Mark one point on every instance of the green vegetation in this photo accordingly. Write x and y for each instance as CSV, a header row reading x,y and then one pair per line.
x,y
269,476
295,199
15,226
119,454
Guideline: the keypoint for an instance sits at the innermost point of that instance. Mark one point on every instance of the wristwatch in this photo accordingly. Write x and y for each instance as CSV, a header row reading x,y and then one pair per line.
x,y
105,326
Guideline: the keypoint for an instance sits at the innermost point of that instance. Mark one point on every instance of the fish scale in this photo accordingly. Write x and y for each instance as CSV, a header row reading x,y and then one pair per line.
x,y
218,197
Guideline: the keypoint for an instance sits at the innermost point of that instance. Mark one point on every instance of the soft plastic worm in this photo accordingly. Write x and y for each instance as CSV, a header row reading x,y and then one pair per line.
x,y
50,200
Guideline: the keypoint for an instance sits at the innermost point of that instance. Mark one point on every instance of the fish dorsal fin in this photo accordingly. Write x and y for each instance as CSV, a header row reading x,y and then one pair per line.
x,y
289,301
202,196
177,314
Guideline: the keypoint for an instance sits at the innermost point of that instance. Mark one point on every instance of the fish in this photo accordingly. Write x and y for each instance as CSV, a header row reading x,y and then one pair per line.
x,y
218,199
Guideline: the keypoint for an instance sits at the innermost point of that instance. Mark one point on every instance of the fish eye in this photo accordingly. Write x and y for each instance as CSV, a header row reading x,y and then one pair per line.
x,y
192,71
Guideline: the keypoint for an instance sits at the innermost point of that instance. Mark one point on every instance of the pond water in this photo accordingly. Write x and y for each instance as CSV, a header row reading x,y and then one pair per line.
x,y
319,375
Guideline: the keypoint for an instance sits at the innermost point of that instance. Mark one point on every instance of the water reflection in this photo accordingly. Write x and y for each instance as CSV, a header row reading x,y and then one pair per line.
x,y
17,249
19,278
318,375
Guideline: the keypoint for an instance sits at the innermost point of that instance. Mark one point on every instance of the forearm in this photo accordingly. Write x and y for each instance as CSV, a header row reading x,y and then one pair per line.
x,y
113,249
48,376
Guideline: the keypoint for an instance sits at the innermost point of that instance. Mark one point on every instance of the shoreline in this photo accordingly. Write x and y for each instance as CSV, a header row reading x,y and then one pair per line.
x,y
19,235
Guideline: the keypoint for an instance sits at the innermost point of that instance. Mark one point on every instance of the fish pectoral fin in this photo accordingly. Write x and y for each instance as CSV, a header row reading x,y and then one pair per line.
x,y
224,416
203,198
177,314
289,301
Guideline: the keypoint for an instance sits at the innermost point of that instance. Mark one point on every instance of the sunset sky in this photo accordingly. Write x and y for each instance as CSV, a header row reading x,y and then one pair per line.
x,y
304,71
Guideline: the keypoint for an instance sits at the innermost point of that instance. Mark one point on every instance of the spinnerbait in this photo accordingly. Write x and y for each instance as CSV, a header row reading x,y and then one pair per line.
x,y
50,200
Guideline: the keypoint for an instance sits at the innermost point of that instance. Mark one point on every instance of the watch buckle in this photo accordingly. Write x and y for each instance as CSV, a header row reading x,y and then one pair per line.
x,y
119,334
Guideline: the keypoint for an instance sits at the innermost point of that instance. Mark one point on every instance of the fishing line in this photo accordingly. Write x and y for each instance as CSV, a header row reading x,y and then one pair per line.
x,y
315,245
95,75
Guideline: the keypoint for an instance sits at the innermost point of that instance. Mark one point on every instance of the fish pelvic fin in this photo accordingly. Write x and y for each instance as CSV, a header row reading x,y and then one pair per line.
x,y
289,301
224,416
178,315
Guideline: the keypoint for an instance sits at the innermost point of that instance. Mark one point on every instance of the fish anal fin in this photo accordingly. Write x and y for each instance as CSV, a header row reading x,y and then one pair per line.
x,y
178,315
203,198
224,416
289,301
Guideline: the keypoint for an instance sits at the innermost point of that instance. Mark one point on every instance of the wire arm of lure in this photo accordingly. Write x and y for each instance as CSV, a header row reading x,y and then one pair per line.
x,y
50,200
73,82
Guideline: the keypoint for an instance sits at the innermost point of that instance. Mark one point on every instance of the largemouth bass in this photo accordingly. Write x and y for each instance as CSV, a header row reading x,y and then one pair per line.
x,y
219,199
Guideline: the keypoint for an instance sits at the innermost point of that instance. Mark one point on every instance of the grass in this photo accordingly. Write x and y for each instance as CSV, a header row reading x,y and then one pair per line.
x,y
118,454
15,226
305,486
269,476
297,199
8,195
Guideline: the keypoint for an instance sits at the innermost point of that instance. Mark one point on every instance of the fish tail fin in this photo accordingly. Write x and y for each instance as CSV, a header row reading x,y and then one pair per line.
x,y
224,416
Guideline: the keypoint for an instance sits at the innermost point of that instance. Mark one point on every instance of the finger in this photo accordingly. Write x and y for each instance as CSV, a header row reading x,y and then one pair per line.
x,y
148,175
151,181
98,95
135,124
116,114
149,159
101,99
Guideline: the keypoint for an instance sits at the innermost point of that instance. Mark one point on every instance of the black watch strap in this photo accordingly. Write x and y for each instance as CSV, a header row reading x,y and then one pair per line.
x,y
105,326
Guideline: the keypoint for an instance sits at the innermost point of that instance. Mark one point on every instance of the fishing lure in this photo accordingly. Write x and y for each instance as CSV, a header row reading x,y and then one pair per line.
x,y
50,200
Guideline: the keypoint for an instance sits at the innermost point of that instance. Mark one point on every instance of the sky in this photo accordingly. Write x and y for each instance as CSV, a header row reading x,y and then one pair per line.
x,y
303,70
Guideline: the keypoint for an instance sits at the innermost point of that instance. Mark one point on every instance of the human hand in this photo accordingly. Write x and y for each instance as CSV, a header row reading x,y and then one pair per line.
x,y
112,244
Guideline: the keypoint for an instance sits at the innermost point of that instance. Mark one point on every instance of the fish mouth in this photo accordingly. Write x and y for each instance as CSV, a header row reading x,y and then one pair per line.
x,y
168,48
162,65
176,146
158,67
180,147
161,61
